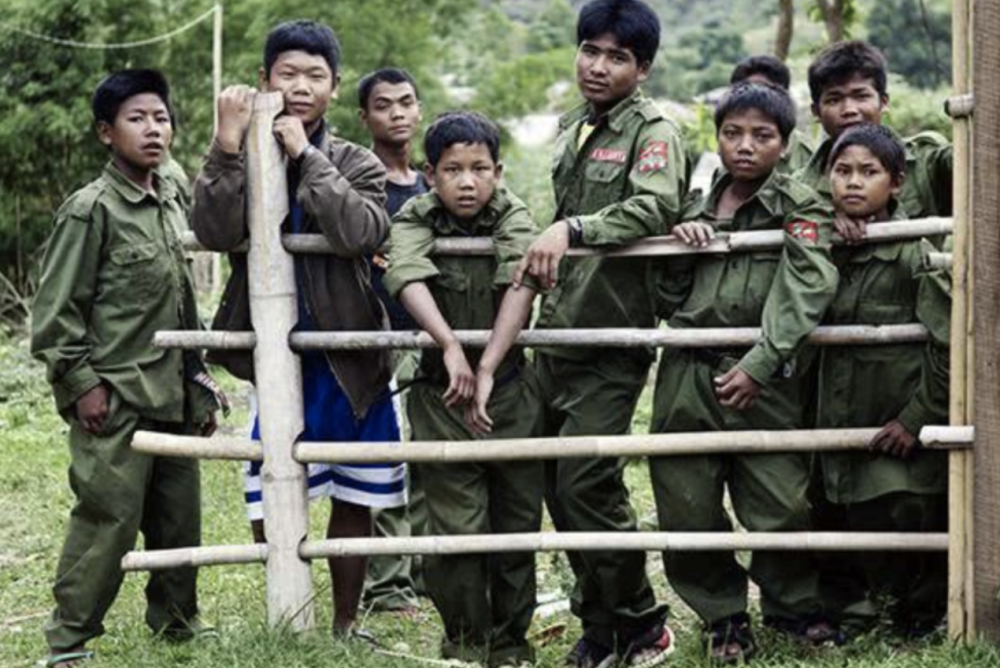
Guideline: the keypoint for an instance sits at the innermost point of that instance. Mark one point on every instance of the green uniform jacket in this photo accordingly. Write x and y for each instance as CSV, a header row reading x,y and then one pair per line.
x,y
785,291
929,166
628,181
115,273
868,386
798,154
467,290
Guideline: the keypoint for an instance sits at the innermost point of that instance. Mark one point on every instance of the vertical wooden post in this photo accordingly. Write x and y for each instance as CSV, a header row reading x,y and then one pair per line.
x,y
274,311
986,291
215,281
959,484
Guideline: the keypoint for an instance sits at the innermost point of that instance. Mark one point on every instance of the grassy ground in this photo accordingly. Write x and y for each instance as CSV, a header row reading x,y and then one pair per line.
x,y
35,500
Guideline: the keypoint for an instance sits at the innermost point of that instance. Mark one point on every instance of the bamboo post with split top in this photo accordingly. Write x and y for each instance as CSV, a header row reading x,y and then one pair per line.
x,y
278,373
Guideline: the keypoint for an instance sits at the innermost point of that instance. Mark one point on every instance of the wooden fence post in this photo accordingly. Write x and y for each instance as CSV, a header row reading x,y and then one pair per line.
x,y
274,312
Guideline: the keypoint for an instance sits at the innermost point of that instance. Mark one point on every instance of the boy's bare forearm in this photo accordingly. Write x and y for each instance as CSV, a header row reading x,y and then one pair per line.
x,y
417,299
514,313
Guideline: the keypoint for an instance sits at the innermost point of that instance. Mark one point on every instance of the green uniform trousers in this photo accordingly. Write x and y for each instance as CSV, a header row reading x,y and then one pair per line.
x,y
486,601
394,581
119,493
915,582
768,493
612,595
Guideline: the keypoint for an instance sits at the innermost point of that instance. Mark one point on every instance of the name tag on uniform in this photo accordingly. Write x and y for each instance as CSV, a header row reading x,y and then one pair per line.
x,y
615,155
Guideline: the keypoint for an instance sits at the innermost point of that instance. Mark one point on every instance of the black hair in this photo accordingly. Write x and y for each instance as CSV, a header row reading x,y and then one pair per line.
x,y
112,92
769,100
838,63
389,75
314,38
878,139
460,127
634,25
769,67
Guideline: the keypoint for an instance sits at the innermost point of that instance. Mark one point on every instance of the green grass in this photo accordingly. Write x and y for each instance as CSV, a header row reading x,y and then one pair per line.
x,y
35,501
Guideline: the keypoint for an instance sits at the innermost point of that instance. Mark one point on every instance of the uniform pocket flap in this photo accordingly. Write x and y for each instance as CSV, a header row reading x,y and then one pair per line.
x,y
126,255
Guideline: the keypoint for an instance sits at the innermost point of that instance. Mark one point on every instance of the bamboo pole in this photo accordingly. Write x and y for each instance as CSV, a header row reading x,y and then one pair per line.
x,y
959,494
274,312
546,542
834,335
649,247
216,266
646,445
215,555
940,261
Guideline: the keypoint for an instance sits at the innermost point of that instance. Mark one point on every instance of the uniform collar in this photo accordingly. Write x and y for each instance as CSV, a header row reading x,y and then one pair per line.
x,y
766,195
131,192
615,119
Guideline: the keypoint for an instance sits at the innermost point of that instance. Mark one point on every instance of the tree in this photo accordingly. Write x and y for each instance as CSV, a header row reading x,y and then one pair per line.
x,y
924,57
838,16
786,28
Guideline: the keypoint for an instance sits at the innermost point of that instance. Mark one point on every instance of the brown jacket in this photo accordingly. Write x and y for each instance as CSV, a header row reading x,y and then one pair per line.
x,y
342,193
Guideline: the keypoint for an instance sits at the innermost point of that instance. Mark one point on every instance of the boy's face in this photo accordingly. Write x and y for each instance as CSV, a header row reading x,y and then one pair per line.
x,y
306,82
861,185
393,113
607,73
750,145
141,133
849,103
465,178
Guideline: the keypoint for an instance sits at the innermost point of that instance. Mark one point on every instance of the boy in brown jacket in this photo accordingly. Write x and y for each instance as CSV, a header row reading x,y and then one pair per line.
x,y
337,189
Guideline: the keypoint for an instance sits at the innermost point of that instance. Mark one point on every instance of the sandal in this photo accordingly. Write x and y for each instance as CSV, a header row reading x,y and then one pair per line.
x,y
66,657
731,640
589,654
814,631
651,648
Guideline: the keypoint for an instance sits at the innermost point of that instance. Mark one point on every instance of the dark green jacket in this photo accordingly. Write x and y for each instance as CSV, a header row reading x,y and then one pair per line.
x,y
626,182
786,291
467,290
869,386
929,166
114,273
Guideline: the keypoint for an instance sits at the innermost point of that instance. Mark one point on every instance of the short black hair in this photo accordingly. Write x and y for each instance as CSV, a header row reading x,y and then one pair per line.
x,y
389,75
766,66
316,39
838,63
878,139
769,100
460,127
119,86
634,25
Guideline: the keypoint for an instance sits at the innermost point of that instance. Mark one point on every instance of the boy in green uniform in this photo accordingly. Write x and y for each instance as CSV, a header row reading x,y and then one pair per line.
x,y
847,83
619,175
486,601
769,69
764,387
899,387
113,275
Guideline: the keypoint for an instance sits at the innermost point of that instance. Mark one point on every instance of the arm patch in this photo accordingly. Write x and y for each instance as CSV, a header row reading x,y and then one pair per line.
x,y
805,231
653,157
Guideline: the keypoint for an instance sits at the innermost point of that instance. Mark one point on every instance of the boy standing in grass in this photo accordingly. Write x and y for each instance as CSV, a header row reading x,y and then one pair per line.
x,y
763,387
390,111
486,601
115,273
848,85
336,189
899,387
619,175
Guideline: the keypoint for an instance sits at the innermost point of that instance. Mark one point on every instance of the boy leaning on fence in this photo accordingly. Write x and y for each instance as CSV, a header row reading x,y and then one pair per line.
x,y
785,290
486,601
619,174
336,189
899,388
115,273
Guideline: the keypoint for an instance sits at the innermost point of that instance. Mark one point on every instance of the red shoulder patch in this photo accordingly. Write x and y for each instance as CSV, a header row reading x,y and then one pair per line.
x,y
615,155
653,157
806,231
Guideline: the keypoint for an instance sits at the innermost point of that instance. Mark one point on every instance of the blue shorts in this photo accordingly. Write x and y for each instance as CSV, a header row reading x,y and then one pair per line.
x,y
329,417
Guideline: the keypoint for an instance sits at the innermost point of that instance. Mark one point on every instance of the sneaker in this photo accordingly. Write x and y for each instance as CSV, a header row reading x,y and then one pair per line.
x,y
651,648
589,654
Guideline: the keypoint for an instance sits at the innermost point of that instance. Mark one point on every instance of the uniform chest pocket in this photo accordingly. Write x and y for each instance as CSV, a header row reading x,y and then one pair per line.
x,y
761,270
137,271
604,172
884,313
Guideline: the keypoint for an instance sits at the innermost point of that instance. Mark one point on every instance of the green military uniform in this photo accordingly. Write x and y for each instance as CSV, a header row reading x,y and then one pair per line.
x,y
113,275
787,290
929,166
869,386
486,602
798,153
625,180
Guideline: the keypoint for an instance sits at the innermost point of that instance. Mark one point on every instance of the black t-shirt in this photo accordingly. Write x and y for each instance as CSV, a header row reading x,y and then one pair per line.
x,y
397,195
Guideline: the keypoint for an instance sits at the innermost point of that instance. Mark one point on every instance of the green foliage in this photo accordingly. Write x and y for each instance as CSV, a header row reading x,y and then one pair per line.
x,y
701,61
553,28
913,110
917,46
522,86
